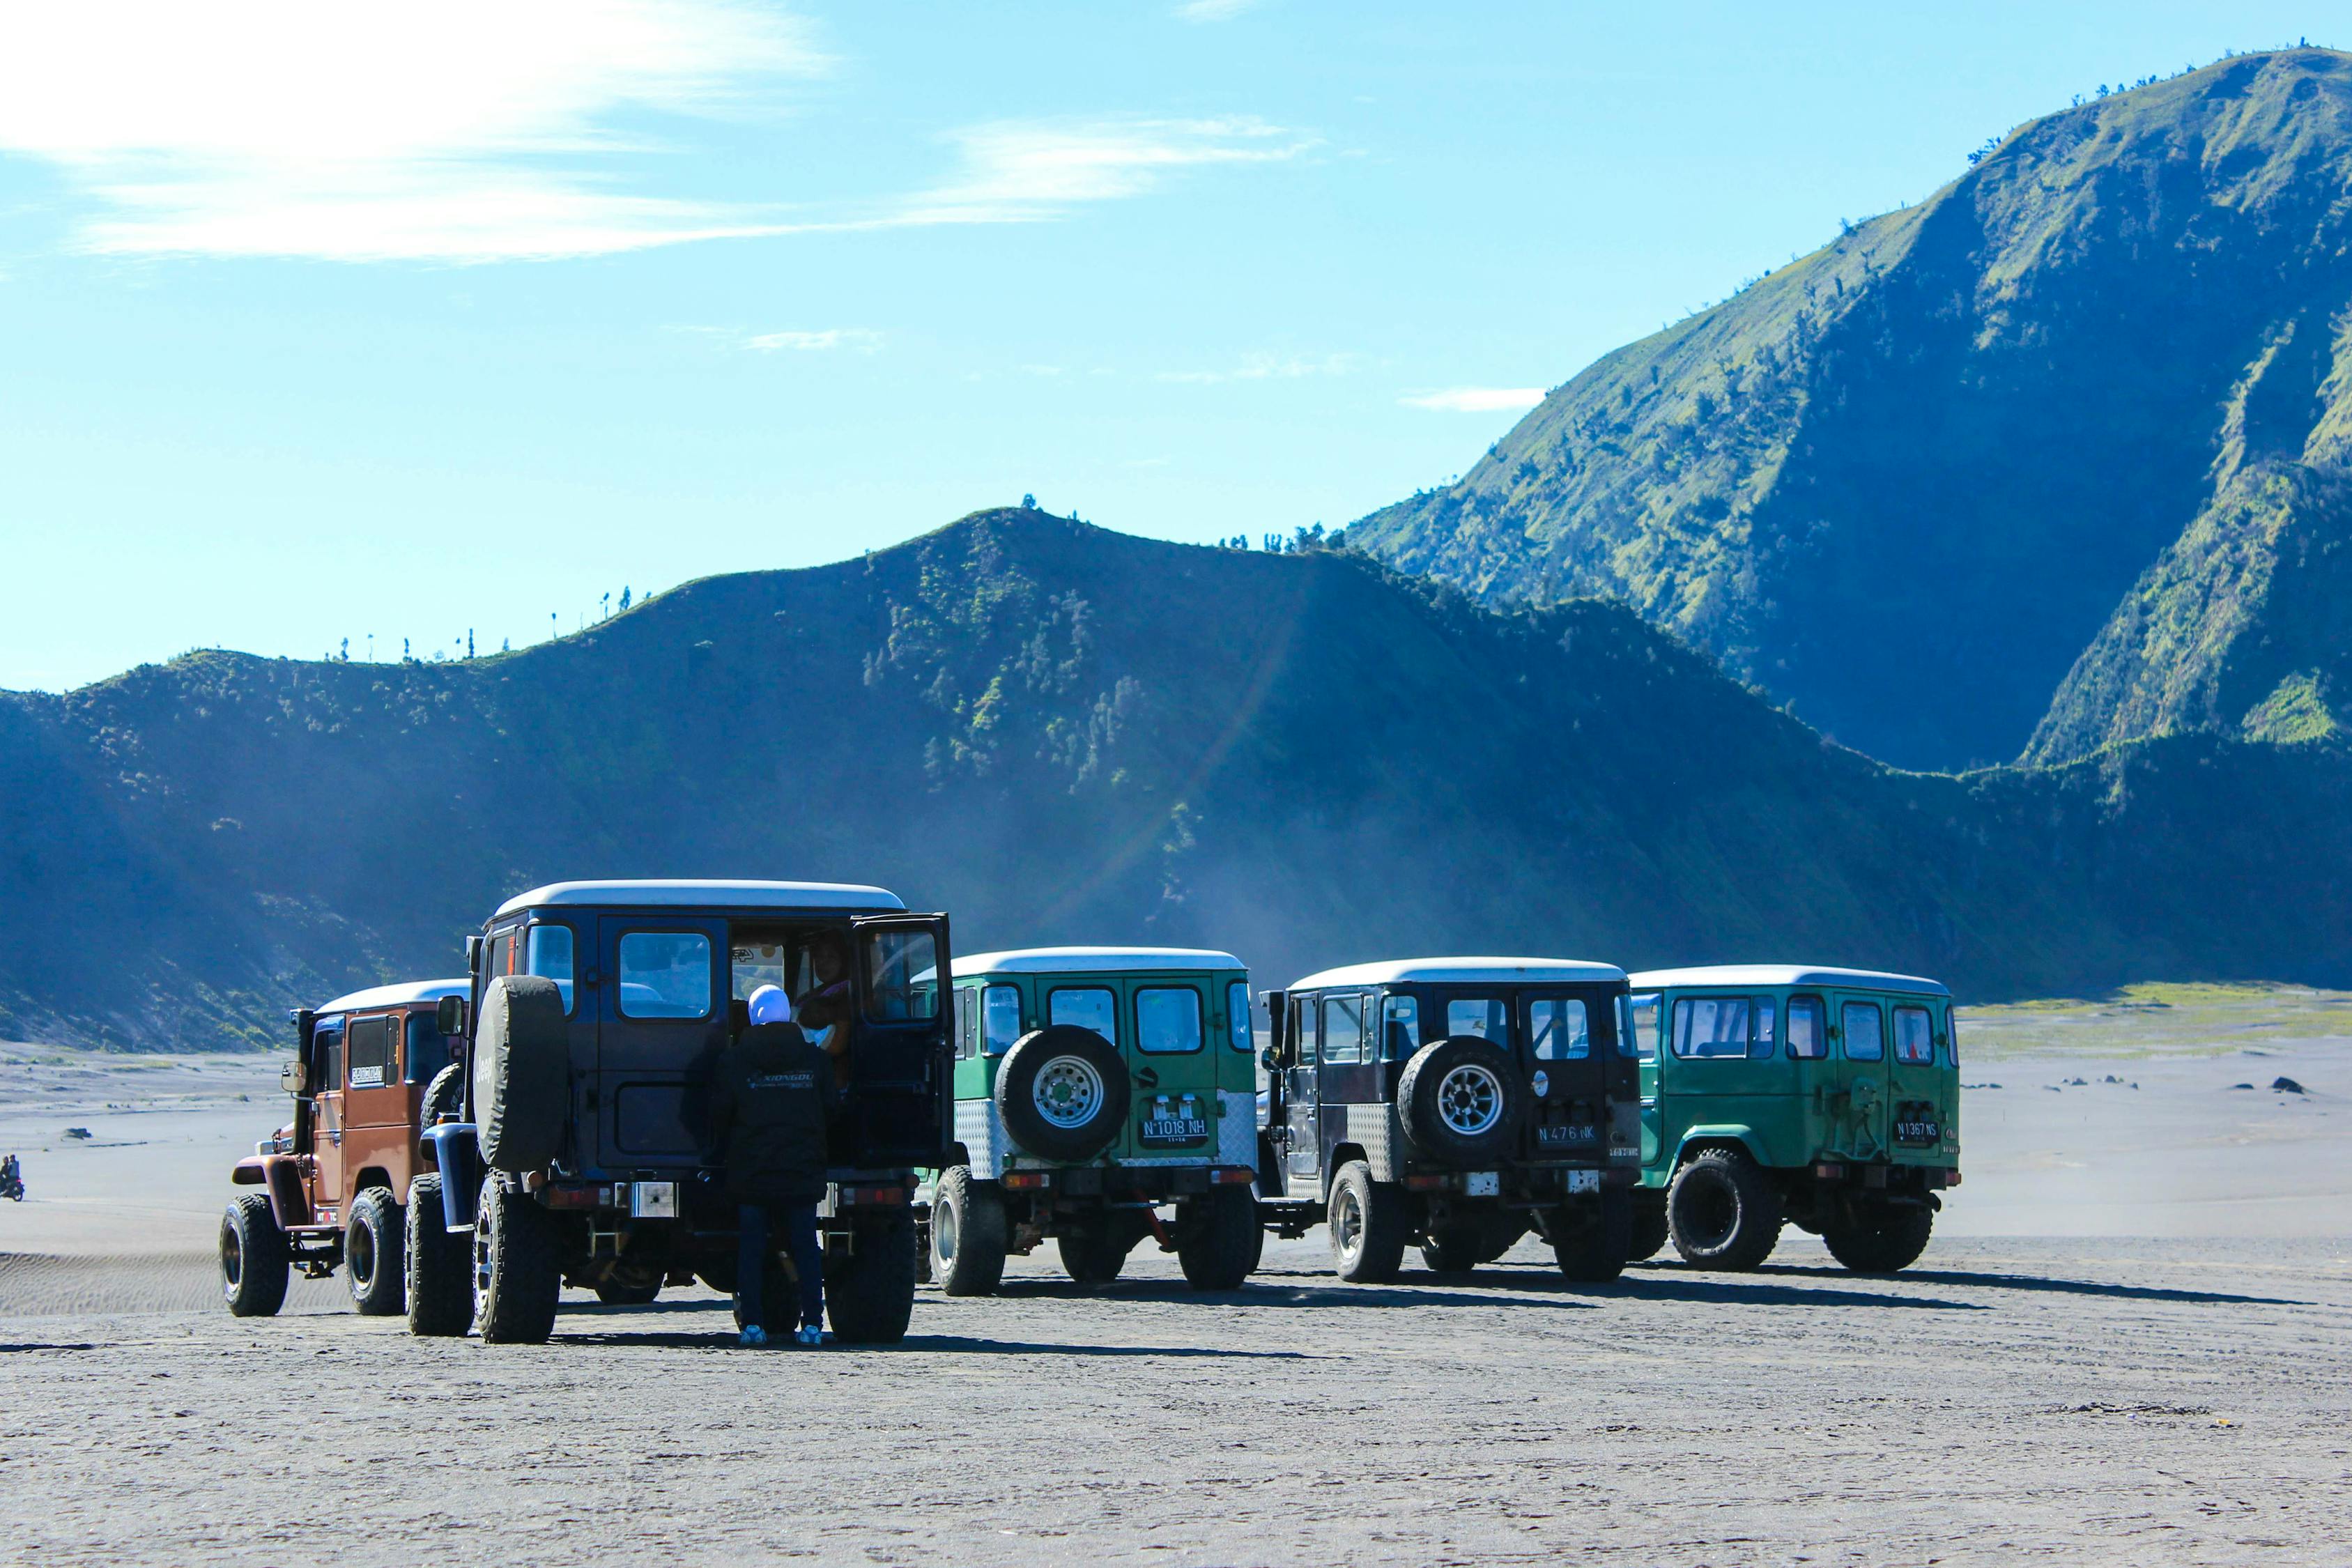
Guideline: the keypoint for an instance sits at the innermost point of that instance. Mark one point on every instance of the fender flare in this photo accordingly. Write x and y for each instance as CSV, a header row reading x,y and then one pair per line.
x,y
450,1148
1747,1138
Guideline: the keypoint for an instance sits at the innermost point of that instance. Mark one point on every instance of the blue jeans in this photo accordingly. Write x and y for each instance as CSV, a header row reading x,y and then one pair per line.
x,y
799,1219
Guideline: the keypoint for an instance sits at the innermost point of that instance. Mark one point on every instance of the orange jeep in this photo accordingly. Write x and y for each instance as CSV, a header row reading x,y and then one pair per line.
x,y
374,1068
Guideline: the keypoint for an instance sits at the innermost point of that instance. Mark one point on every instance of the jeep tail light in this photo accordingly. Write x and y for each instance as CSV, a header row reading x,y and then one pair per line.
x,y
1234,1175
1021,1181
571,1197
855,1196
1425,1184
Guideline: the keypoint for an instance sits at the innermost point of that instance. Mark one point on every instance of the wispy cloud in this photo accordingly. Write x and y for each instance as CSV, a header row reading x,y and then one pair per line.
x,y
1266,367
859,337
1213,10
434,130
1477,399
1026,170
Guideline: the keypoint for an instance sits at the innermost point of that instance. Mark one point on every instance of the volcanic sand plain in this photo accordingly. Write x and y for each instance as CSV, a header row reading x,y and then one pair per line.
x,y
2130,1341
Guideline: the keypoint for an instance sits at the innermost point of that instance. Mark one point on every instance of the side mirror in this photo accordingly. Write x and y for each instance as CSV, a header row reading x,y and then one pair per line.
x,y
294,1078
449,1015
1268,1059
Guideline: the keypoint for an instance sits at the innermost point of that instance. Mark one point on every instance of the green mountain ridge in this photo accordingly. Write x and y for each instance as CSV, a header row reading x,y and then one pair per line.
x,y
1060,733
2049,460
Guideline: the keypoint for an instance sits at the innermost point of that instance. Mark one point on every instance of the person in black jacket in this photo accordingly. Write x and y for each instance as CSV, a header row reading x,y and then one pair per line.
x,y
770,1103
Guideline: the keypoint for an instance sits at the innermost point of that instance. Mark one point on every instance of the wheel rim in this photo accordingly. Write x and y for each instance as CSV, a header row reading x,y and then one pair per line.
x,y
1347,1222
361,1247
1712,1211
943,1232
1469,1100
1069,1092
484,1233
232,1257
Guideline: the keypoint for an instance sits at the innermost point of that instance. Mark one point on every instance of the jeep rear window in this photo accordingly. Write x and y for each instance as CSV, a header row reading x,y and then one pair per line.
x,y
1237,1016
1088,1007
1865,1032
1914,1035
370,1052
1000,1019
1556,1030
1167,1019
1483,1017
1807,1039
549,953
664,974
902,976
1343,1030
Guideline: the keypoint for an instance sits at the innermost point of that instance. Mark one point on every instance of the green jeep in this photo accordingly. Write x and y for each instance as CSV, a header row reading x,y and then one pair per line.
x,y
1095,1086
1772,1093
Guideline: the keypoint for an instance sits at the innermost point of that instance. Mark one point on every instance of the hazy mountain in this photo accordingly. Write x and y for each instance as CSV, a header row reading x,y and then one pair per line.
x,y
2091,395
1062,735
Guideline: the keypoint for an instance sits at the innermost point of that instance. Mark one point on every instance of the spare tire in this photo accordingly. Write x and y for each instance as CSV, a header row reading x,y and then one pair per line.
x,y
523,1073
1462,1101
1062,1093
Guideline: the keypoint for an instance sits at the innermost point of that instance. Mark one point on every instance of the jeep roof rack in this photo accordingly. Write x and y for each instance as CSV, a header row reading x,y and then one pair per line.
x,y
668,892
1090,960
1460,971
1788,974
391,995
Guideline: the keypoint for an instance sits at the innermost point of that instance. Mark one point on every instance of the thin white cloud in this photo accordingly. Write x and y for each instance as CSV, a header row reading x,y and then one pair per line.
x,y
1027,170
859,338
1265,367
1213,10
1477,399
351,132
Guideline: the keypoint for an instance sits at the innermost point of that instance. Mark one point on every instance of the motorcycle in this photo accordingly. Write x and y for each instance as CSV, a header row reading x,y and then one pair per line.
x,y
12,1180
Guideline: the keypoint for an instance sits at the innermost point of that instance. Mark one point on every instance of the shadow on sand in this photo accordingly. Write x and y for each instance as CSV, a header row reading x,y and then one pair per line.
x,y
2064,1286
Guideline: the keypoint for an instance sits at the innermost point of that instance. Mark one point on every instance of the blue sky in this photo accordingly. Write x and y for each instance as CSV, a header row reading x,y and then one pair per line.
x,y
337,321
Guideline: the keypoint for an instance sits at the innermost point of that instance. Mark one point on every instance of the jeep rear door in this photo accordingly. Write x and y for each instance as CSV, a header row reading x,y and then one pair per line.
x,y
1916,1078
1858,1108
377,1104
657,996
1556,1048
899,1110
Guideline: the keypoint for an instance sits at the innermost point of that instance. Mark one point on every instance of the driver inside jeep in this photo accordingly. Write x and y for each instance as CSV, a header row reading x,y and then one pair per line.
x,y
823,1010
772,1098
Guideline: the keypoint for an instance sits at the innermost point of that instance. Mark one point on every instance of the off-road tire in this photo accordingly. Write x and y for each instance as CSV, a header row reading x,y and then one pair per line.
x,y
1431,1080
1367,1225
1588,1241
376,1253
1649,1233
440,1265
1877,1239
626,1292
255,1260
444,1096
970,1235
870,1294
1079,1056
1094,1254
717,1273
517,1277
1722,1213
1219,1238
523,1073
1457,1250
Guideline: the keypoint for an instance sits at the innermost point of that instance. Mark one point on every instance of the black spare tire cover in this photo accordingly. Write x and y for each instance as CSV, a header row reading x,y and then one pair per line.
x,y
1461,1101
523,1073
1062,1093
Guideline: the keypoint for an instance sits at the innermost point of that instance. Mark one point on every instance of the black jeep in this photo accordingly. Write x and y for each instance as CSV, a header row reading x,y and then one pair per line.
x,y
598,1013
1458,1103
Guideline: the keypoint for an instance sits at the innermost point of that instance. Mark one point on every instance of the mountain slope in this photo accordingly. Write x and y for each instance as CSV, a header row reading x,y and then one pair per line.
x,y
1908,482
1062,735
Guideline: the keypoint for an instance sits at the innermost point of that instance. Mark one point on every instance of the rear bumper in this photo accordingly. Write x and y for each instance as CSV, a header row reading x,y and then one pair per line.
x,y
1875,1175
1127,1183
1521,1183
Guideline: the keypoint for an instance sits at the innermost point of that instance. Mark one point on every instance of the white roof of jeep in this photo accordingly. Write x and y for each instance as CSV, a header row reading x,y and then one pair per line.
x,y
668,893
1787,975
1093,959
1461,972
394,995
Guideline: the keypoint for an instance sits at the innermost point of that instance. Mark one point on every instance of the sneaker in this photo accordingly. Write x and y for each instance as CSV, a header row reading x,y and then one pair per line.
x,y
810,1334
752,1337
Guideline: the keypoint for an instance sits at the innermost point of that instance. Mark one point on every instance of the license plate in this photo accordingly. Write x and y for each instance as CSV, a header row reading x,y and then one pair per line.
x,y
1918,1132
1584,1180
1567,1132
1483,1183
652,1200
1176,1129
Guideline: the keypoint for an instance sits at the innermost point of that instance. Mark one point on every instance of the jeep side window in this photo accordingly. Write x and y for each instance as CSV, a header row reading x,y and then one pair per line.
x,y
371,1052
1865,1032
1763,1047
1914,1035
1952,1041
1088,1007
1808,1039
664,974
1485,1017
902,976
1302,1032
753,960
329,1043
1557,1030
426,1050
548,953
1000,1019
967,1035
1644,1011
1400,1026
1711,1027
1167,1019
1343,1030
1237,1017
501,957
